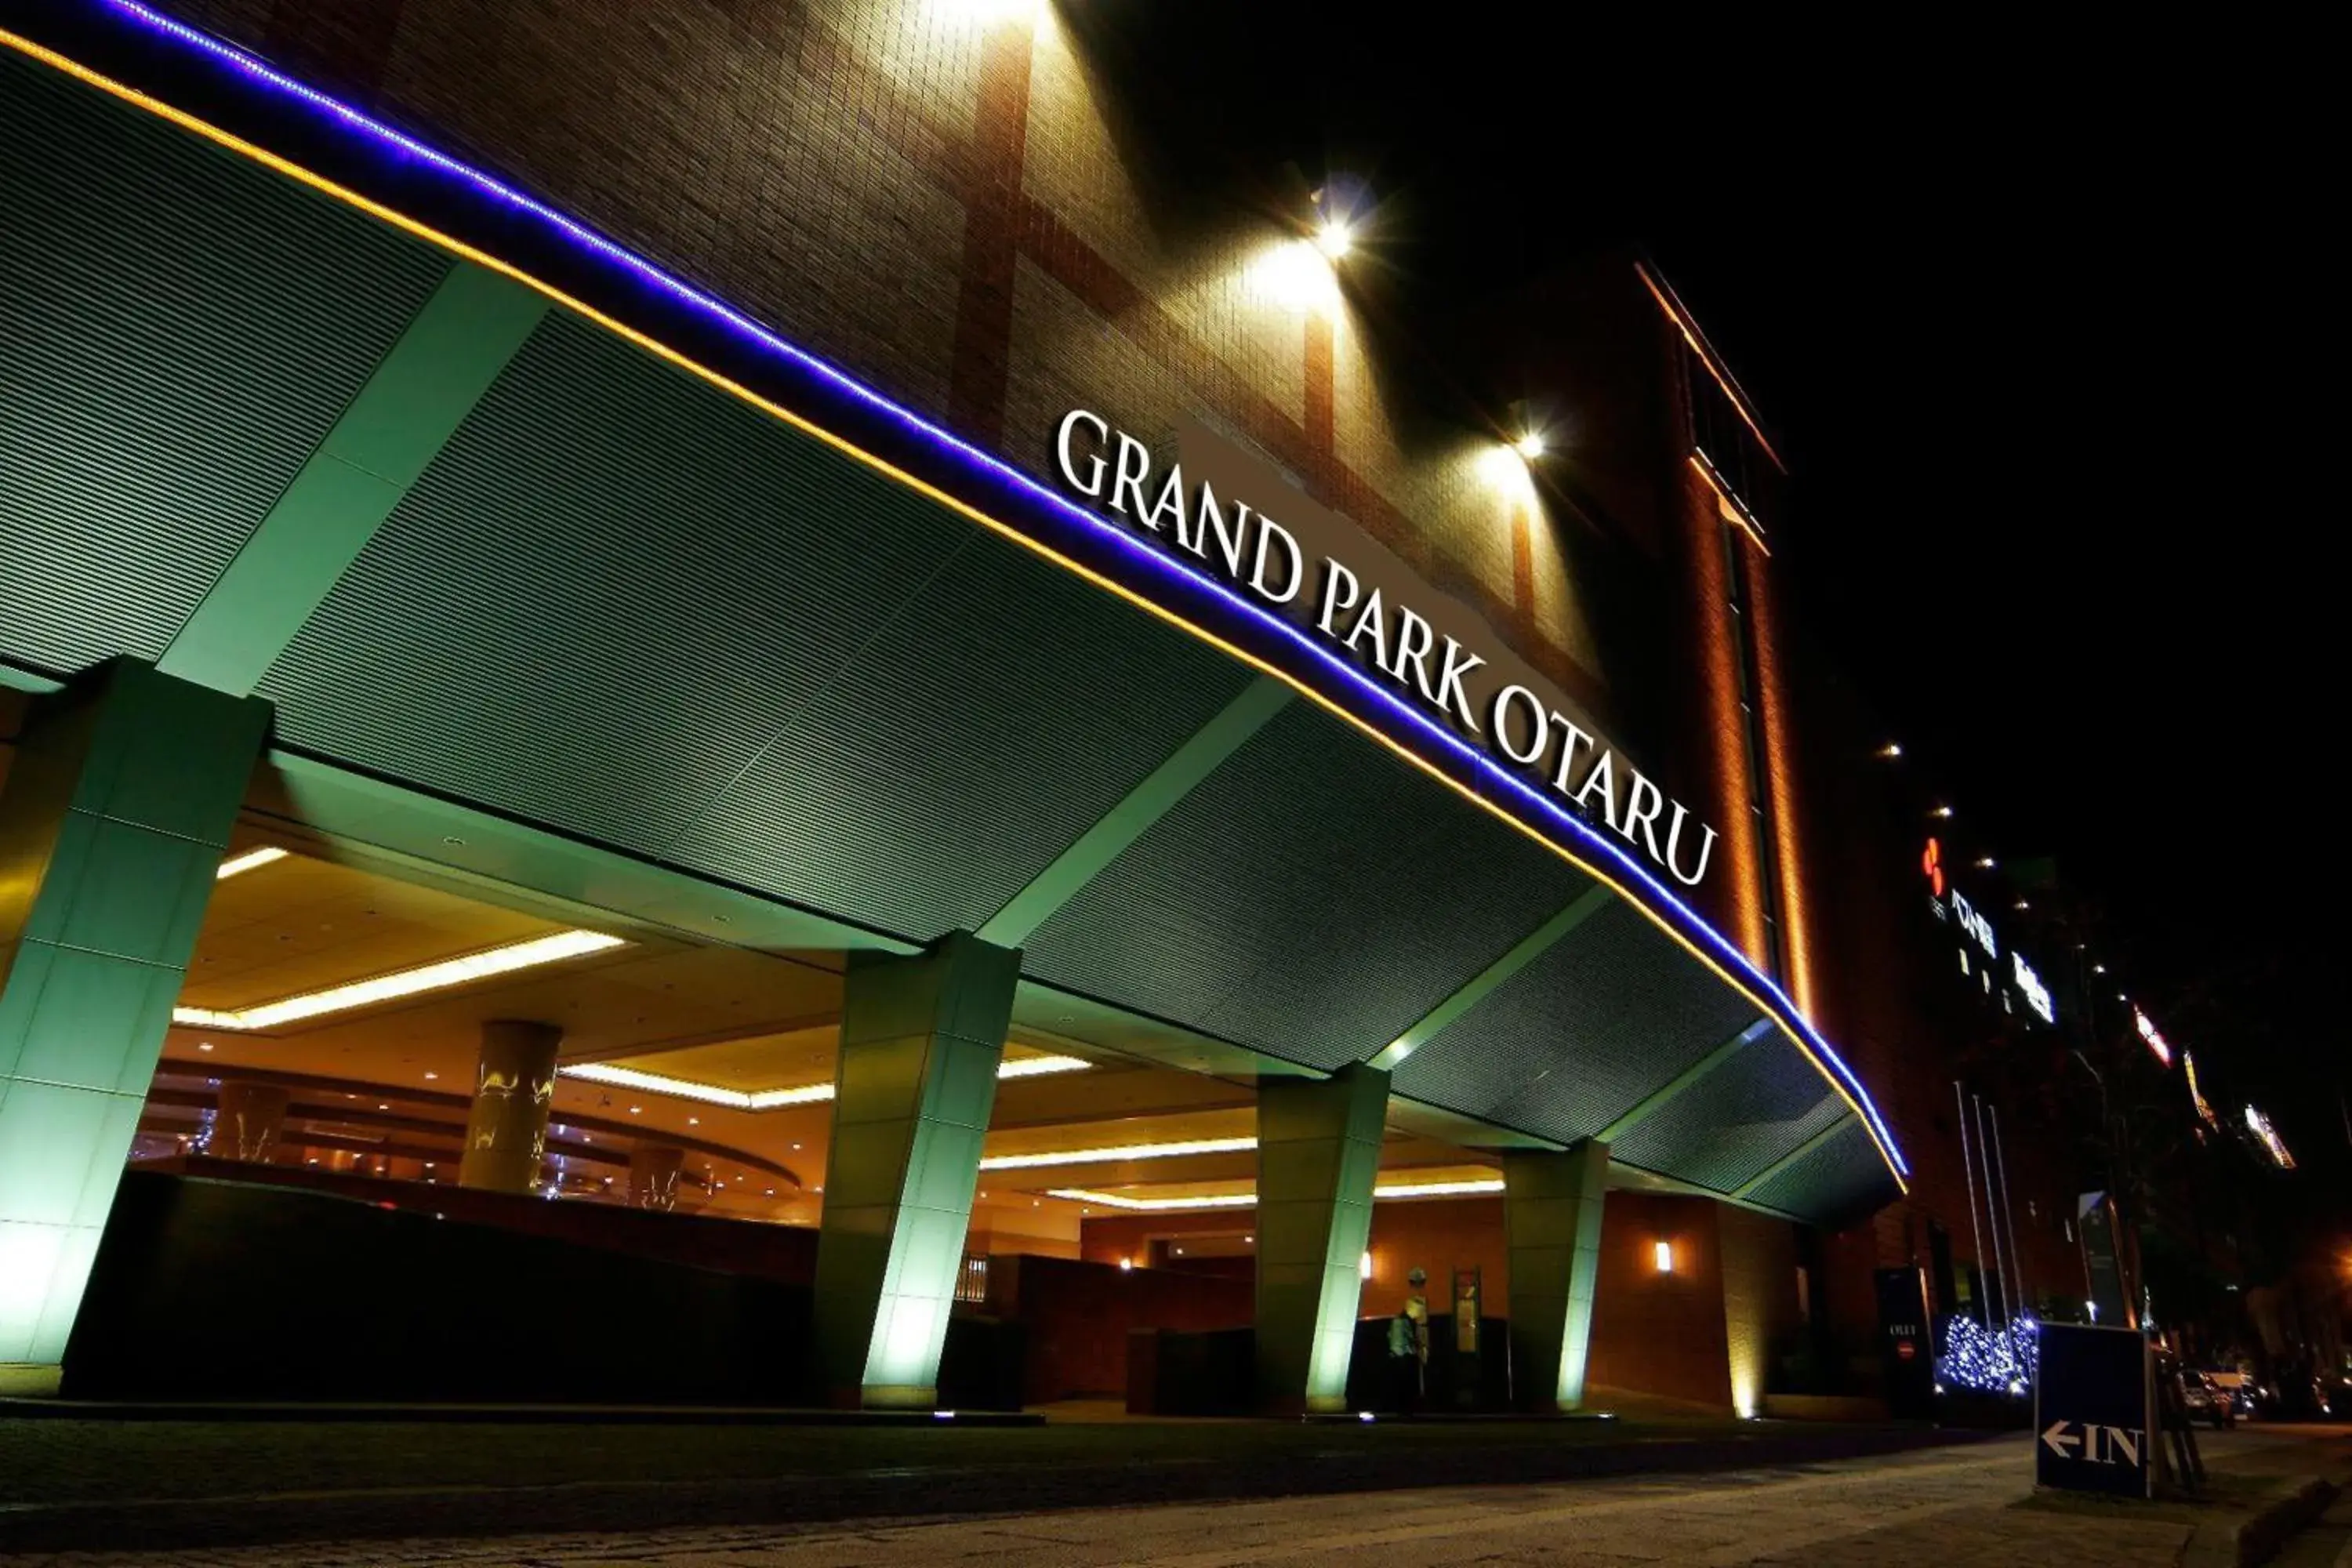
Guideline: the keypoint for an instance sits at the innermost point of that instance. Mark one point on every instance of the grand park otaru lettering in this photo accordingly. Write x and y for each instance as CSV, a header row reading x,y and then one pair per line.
x,y
1358,604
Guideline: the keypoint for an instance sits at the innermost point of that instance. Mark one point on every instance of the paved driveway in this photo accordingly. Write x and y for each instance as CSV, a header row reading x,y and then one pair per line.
x,y
1947,1508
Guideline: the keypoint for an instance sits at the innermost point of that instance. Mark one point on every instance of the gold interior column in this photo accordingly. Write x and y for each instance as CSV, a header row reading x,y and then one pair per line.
x,y
250,1119
505,1131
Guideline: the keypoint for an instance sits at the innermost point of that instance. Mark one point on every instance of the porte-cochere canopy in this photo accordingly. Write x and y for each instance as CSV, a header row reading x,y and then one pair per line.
x,y
663,583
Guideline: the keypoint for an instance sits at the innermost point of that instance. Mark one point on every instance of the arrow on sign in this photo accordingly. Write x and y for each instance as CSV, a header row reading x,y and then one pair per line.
x,y
2062,1442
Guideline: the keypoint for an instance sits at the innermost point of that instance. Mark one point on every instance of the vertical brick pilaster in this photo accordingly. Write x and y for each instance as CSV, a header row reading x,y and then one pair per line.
x,y
984,325
1319,414
1782,753
1523,568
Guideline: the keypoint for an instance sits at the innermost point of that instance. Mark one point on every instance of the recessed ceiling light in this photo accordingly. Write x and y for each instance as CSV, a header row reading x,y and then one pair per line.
x,y
1246,1200
1119,1152
251,860
404,983
773,1099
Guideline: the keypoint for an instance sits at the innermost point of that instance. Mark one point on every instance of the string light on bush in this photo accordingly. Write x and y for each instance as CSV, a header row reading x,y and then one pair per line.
x,y
1990,1361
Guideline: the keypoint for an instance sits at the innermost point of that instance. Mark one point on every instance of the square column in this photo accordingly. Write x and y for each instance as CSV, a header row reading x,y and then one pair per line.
x,y
1552,1204
1318,1154
922,1038
112,824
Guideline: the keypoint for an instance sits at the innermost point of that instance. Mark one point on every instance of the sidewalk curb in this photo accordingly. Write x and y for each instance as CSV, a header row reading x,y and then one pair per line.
x,y
2255,1538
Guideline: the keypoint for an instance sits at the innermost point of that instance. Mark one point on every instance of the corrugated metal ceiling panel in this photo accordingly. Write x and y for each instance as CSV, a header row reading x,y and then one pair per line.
x,y
1582,1035
994,720
1842,1178
1312,899
179,337
1738,1119
610,590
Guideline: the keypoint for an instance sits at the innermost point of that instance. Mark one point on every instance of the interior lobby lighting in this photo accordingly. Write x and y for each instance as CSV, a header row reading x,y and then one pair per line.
x,y
1119,1152
1112,1200
1438,1189
773,1098
438,976
251,860
1040,1067
1249,1199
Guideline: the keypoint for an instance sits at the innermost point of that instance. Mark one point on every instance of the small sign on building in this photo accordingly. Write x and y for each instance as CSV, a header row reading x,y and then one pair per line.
x,y
2095,1411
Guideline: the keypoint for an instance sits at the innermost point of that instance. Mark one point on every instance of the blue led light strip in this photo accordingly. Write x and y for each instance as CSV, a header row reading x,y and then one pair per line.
x,y
1437,735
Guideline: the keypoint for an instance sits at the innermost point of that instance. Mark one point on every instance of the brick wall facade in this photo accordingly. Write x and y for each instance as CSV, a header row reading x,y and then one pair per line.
x,y
955,210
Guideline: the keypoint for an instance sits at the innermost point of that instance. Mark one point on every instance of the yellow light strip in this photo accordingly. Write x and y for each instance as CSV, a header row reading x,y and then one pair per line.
x,y
662,351
251,860
1706,357
1731,505
1119,1152
1249,1199
773,1098
438,976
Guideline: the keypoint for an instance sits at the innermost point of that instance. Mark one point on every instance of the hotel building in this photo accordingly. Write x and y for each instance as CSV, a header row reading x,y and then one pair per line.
x,y
729,619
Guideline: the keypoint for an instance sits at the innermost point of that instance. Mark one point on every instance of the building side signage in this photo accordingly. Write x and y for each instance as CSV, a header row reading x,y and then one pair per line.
x,y
1979,928
2024,984
2030,986
1206,506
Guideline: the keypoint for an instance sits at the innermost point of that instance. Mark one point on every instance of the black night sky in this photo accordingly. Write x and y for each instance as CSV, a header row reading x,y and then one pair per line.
x,y
2026,325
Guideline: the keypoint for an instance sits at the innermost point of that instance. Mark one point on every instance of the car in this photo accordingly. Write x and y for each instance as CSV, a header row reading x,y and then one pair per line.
x,y
2231,1388
2203,1399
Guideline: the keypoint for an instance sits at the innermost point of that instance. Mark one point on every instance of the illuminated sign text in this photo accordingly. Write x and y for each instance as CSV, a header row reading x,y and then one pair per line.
x,y
1327,576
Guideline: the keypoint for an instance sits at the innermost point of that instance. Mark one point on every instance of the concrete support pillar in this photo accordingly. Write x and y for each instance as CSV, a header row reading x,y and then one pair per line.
x,y
1318,1154
1551,1227
248,1122
505,1131
653,1175
922,1038
114,818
